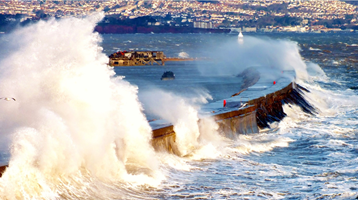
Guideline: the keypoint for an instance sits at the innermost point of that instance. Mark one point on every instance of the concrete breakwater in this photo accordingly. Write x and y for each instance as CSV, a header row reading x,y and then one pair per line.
x,y
253,109
256,115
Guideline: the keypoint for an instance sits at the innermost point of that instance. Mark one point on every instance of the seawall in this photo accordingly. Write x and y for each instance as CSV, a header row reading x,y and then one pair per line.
x,y
249,111
255,115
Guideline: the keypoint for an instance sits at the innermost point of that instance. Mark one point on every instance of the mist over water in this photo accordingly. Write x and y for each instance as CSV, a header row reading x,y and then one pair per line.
x,y
79,130
230,57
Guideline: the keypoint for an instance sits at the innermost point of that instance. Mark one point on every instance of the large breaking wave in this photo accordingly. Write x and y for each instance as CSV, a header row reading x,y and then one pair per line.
x,y
77,131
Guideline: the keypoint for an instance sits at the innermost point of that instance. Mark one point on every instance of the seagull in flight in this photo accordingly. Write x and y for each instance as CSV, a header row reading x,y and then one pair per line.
x,y
243,105
8,98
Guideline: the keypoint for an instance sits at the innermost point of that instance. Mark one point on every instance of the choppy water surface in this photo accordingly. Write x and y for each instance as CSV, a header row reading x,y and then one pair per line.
x,y
311,157
77,130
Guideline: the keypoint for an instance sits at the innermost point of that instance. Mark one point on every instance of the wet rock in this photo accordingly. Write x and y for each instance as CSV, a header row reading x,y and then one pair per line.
x,y
168,75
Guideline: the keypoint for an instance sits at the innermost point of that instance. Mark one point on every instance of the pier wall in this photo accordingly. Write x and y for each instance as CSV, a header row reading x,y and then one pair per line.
x,y
258,114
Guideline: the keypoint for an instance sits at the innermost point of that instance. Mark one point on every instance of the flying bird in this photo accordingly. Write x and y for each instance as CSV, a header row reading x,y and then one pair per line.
x,y
243,105
8,98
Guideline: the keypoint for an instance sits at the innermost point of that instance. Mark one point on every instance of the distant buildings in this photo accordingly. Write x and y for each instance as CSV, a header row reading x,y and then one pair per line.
x,y
221,14
207,25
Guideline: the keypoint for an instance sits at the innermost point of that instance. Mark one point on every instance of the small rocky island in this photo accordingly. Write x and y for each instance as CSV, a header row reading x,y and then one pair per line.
x,y
168,75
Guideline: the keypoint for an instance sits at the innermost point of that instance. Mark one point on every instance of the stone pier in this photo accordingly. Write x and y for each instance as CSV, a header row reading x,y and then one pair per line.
x,y
246,112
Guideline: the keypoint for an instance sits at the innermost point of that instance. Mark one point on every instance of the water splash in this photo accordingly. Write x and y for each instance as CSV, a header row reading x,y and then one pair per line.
x,y
230,58
183,55
180,111
73,123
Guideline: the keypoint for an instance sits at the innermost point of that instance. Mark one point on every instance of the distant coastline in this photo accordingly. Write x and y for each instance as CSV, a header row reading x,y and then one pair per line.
x,y
122,29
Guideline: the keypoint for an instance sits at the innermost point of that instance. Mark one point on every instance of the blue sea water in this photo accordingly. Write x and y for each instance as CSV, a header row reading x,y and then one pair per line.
x,y
54,157
306,157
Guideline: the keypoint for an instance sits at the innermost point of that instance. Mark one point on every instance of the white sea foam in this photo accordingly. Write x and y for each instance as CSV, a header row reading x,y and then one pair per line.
x,y
246,144
328,102
314,49
183,55
79,133
229,58
182,112
72,123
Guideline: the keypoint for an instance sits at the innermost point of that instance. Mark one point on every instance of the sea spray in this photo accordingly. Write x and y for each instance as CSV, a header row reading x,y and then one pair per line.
x,y
75,127
182,111
177,111
299,170
228,57
183,55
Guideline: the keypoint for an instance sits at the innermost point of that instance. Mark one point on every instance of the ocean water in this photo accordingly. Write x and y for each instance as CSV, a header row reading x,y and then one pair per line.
x,y
79,129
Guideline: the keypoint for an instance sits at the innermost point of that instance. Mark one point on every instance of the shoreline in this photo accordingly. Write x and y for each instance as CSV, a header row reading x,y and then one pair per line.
x,y
125,29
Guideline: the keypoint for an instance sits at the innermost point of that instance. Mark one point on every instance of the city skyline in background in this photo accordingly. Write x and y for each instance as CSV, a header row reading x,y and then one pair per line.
x,y
237,15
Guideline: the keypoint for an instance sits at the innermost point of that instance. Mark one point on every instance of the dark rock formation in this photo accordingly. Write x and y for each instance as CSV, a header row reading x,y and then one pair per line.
x,y
168,75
